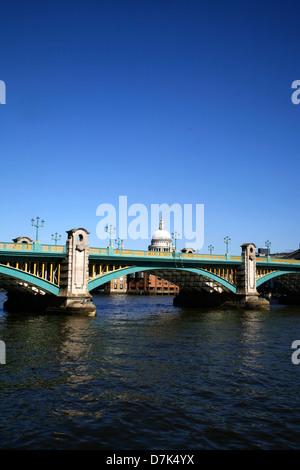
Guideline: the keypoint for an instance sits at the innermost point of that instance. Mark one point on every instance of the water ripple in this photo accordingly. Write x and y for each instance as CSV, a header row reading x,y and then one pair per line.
x,y
145,375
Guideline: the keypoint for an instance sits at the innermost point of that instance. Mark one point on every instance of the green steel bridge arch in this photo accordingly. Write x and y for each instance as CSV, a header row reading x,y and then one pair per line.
x,y
99,281
31,279
268,277
50,288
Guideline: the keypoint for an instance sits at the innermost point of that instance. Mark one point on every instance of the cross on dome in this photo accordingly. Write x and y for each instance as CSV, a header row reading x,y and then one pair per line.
x,y
161,223
161,239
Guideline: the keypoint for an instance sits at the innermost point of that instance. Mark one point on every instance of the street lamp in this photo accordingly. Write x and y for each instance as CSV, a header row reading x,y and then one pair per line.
x,y
110,230
211,249
268,244
227,240
118,243
56,238
175,236
37,225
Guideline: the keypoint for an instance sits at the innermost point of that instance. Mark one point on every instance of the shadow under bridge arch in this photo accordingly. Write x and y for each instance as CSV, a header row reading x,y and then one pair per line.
x,y
12,278
195,278
289,278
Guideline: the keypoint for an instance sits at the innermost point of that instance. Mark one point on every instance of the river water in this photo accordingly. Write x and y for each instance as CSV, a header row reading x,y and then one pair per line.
x,y
143,374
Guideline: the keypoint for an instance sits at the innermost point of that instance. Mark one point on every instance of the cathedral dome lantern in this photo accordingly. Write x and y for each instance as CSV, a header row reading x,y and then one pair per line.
x,y
161,239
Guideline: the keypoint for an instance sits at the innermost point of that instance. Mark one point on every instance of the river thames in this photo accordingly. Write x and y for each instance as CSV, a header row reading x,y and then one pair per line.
x,y
145,375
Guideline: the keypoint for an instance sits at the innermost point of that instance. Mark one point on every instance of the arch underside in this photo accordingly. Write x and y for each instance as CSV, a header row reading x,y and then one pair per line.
x,y
14,280
289,281
188,279
192,279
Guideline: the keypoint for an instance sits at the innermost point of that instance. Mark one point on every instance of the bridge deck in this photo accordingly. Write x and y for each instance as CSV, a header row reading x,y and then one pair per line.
x,y
39,267
22,250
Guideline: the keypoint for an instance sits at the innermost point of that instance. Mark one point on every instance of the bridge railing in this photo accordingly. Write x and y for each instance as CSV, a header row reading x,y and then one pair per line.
x,y
37,247
179,255
159,254
277,260
32,247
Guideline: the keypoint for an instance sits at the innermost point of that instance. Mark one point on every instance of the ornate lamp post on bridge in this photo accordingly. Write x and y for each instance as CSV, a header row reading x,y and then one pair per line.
x,y
268,244
110,231
175,236
119,243
211,249
227,240
56,238
37,226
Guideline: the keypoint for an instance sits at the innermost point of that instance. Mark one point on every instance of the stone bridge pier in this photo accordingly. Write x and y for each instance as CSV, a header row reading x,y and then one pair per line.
x,y
246,292
246,296
74,296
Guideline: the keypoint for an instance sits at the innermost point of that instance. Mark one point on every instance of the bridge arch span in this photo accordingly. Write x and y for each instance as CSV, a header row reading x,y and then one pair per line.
x,y
20,279
273,275
97,282
290,279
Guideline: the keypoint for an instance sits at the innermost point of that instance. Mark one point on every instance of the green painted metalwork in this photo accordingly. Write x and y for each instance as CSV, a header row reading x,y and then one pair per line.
x,y
163,260
277,262
30,279
56,238
37,225
138,261
268,277
19,250
119,256
97,282
36,249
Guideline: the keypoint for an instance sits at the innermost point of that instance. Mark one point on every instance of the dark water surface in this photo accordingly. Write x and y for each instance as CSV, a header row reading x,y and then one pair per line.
x,y
145,375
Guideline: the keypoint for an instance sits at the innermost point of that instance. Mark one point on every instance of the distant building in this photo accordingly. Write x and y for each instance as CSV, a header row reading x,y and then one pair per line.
x,y
262,251
161,239
188,250
292,254
146,283
288,254
116,286
22,240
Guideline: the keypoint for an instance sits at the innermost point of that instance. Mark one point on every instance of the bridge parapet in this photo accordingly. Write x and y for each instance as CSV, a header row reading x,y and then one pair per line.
x,y
276,261
157,254
30,247
94,252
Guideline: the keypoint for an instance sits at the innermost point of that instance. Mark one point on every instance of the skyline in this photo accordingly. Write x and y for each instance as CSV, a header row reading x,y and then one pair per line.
x,y
165,103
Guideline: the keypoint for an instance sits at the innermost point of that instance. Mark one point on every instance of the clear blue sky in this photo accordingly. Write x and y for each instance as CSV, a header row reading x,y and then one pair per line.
x,y
164,101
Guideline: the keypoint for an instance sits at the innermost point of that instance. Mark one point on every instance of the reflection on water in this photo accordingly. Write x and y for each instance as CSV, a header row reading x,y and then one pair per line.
x,y
145,375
